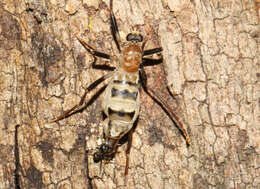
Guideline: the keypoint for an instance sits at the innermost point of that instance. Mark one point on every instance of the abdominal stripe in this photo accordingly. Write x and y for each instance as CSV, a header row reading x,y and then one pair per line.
x,y
125,94
121,113
125,82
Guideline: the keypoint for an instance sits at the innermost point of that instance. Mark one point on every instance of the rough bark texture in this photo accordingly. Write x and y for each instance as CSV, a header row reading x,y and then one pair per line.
x,y
211,56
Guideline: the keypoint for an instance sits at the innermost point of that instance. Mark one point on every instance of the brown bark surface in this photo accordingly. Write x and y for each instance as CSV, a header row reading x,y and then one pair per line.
x,y
211,58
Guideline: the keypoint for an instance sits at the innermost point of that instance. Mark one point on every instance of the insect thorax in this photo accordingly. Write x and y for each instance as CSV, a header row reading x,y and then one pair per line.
x,y
131,57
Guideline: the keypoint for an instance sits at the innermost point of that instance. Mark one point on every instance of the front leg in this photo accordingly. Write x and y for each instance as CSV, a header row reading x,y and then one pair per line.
x,y
114,27
91,50
96,54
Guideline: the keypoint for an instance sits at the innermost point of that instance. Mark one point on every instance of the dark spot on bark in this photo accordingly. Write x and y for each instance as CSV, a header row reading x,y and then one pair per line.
x,y
242,139
37,46
102,5
192,1
254,34
35,177
208,162
155,135
170,146
90,9
10,30
80,61
81,140
6,121
6,150
199,182
49,53
47,150
38,11
247,155
220,186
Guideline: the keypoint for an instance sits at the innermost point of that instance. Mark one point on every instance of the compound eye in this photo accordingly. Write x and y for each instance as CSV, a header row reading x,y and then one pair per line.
x,y
134,37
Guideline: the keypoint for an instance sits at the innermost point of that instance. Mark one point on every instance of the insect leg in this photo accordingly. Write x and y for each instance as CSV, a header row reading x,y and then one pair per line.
x,y
95,53
82,104
157,98
114,27
91,50
152,51
17,159
129,144
151,62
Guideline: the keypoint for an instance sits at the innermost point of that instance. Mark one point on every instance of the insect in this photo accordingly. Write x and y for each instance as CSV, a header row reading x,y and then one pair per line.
x,y
121,101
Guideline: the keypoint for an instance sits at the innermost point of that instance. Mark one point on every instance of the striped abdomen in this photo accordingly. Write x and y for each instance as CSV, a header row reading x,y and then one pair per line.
x,y
121,103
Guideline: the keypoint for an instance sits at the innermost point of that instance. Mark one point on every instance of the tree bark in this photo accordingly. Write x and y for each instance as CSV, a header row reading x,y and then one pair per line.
x,y
211,61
